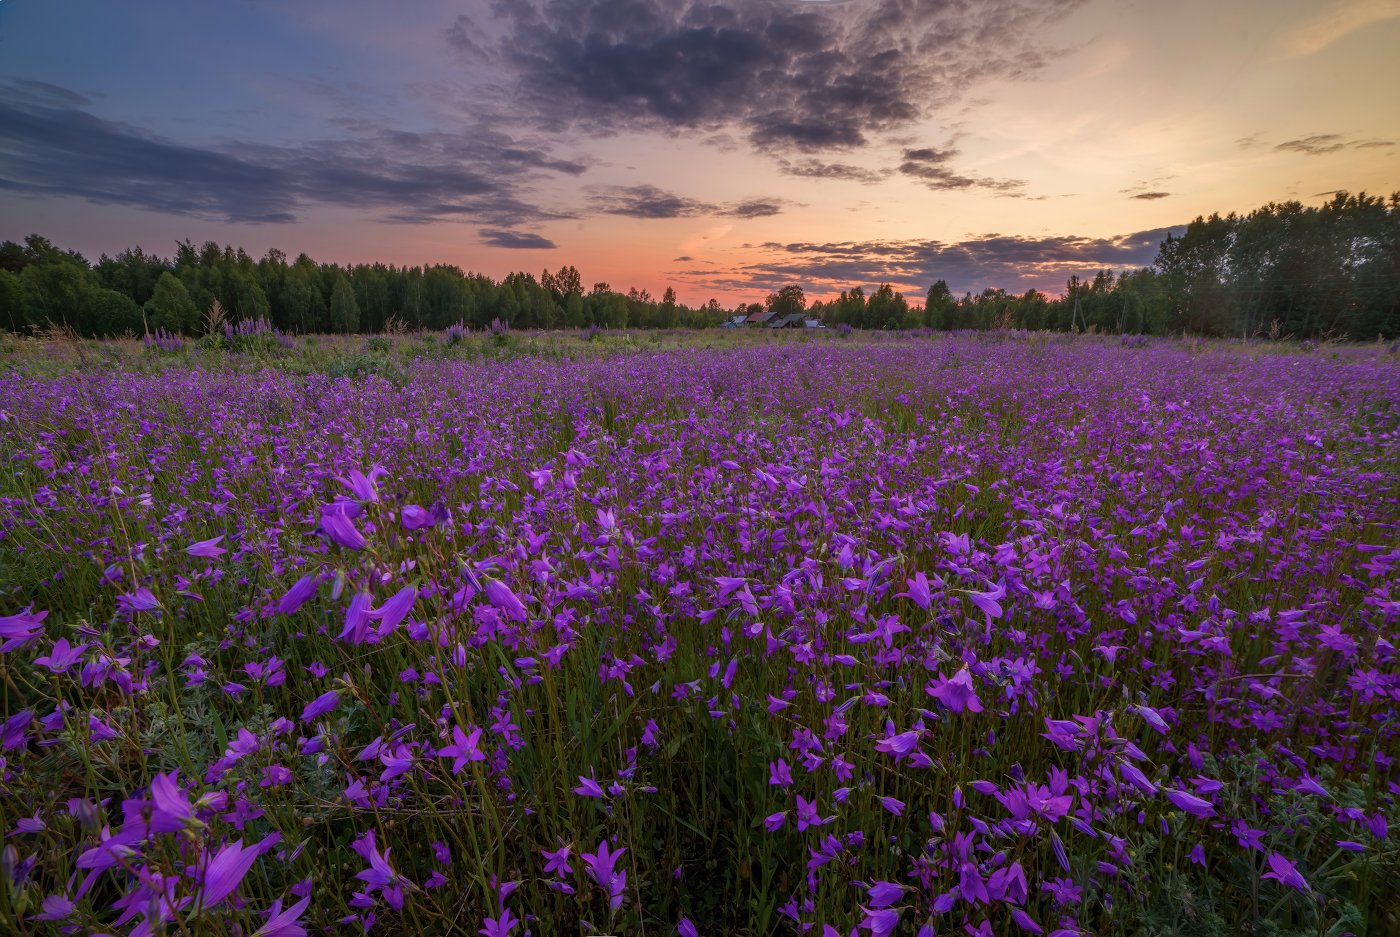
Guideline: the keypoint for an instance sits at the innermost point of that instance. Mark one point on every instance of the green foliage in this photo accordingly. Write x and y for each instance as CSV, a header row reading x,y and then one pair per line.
x,y
786,301
1298,270
56,292
345,311
171,307
303,304
938,305
132,272
887,309
14,302
365,365
110,312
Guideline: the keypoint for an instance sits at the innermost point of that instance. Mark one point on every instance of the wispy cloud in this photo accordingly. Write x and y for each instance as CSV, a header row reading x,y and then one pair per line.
x,y
1337,20
932,167
650,202
1150,190
1315,145
1320,144
817,169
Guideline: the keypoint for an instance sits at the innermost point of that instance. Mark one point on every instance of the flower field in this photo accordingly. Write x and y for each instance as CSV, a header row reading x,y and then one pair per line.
x,y
944,635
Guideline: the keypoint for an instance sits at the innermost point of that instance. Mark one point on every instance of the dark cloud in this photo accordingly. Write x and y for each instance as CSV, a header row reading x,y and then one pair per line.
x,y
517,239
682,259
788,76
931,167
1315,145
52,145
1320,144
930,155
649,202
646,201
1149,190
816,169
754,208
1014,263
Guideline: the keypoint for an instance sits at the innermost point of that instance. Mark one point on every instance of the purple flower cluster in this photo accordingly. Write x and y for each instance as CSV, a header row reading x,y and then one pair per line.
x,y
889,637
249,328
162,340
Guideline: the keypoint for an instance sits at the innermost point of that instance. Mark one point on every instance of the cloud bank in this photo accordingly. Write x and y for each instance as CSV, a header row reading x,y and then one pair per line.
x,y
52,144
1012,262
790,77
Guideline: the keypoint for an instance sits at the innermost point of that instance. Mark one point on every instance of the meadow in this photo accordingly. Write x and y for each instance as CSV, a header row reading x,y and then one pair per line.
x,y
720,634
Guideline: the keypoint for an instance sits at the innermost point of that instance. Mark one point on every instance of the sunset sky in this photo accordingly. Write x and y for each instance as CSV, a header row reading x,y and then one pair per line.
x,y
723,147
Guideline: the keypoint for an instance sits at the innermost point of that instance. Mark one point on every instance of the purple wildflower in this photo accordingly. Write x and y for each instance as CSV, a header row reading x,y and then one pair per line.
x,y
61,657
21,628
338,525
140,599
207,549
499,926
325,703
226,868
298,595
957,693
918,591
501,596
380,876
1285,872
284,922
556,862
362,486
589,787
464,749
602,869
414,517
1190,803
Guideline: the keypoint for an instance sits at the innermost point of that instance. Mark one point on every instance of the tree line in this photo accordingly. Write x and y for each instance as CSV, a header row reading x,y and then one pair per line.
x,y
1284,269
136,292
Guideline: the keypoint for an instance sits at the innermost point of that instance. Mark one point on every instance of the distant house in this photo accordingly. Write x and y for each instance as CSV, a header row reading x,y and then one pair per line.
x,y
733,322
760,318
793,321
810,323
